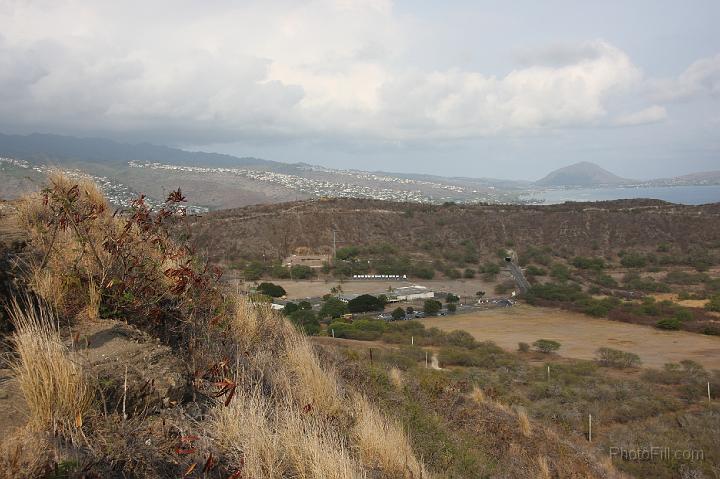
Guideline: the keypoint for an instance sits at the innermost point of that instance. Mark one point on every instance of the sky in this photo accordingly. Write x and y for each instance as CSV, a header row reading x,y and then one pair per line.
x,y
508,89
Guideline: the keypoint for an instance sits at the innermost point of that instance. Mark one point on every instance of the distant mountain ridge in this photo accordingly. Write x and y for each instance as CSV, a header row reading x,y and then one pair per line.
x,y
154,170
57,148
582,174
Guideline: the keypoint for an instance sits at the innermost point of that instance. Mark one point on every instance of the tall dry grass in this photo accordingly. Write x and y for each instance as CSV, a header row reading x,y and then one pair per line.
x,y
57,392
93,304
543,468
524,422
49,286
296,419
270,437
477,395
315,450
382,444
396,378
305,380
246,432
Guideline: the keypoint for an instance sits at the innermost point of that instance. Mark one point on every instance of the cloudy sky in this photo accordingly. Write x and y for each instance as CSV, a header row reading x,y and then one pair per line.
x,y
468,88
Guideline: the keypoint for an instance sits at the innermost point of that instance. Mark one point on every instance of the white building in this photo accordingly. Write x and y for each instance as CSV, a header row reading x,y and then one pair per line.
x,y
409,293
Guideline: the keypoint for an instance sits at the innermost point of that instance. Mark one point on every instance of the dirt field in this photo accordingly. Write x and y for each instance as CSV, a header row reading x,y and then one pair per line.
x,y
581,335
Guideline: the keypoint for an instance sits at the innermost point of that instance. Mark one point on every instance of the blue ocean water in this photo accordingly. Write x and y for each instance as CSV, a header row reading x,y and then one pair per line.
x,y
686,195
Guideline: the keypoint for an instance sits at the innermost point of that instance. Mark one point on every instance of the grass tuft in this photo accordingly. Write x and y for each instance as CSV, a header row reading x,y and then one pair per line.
x,y
56,390
382,443
524,422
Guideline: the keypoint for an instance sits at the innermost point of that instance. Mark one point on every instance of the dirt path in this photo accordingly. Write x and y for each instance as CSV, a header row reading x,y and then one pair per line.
x,y
581,335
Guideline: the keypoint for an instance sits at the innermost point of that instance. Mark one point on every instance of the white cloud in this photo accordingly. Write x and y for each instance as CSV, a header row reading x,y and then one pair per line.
x,y
701,78
328,67
653,114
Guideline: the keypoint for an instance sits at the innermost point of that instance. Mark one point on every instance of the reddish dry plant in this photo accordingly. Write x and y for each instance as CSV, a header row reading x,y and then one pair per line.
x,y
142,274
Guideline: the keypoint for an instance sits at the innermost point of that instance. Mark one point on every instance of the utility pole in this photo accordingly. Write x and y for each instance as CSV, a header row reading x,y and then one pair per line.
x,y
334,246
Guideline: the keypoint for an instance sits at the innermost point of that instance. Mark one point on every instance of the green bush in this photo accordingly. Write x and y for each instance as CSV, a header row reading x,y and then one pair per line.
x,y
671,324
301,271
290,308
271,289
615,358
432,307
422,271
490,270
469,273
685,278
362,329
683,314
347,252
714,303
582,262
546,345
452,273
398,314
306,320
365,303
253,271
451,298
279,271
600,307
461,339
633,260
523,347
560,272
605,280
533,270
556,292
648,285
333,308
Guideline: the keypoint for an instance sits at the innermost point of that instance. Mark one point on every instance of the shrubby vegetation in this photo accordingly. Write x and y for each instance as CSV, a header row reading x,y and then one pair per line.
x,y
271,289
366,302
432,307
546,345
333,308
582,262
634,281
615,358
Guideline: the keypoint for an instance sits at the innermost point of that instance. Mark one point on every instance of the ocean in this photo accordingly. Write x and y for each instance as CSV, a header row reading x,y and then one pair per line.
x,y
686,195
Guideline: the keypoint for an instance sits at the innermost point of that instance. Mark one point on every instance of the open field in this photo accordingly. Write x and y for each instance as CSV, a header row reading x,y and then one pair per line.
x,y
582,335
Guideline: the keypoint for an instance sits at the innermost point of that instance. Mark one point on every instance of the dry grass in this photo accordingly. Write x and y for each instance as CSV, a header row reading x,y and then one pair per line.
x,y
57,392
306,381
477,395
382,444
32,212
26,454
244,430
271,438
543,468
92,309
297,428
49,286
90,194
314,450
524,422
396,378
